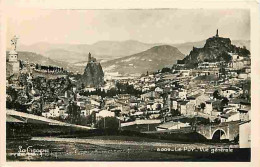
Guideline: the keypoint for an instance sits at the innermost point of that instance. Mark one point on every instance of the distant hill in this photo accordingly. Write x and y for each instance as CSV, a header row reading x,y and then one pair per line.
x,y
66,56
101,50
38,58
242,43
150,60
186,47
107,50
75,55
119,48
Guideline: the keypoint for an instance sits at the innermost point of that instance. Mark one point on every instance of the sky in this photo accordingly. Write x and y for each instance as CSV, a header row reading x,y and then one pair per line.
x,y
149,25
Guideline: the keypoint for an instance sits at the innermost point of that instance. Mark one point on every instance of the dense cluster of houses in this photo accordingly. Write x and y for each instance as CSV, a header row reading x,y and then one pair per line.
x,y
214,90
178,90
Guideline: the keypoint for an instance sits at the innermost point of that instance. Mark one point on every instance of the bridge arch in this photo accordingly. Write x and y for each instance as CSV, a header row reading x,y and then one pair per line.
x,y
219,134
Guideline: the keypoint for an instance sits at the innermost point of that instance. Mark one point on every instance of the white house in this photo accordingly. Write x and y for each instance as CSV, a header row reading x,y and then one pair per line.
x,y
230,116
152,106
94,102
171,126
185,73
104,113
244,76
229,92
174,104
46,114
54,111
84,113
209,107
244,114
182,94
158,90
183,107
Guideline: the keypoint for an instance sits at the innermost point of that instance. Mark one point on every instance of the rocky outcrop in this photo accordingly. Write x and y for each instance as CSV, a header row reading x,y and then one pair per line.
x,y
93,74
216,49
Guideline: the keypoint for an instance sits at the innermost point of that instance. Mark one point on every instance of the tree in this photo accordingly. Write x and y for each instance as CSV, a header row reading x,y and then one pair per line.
x,y
236,139
225,56
158,107
12,92
21,64
202,106
108,123
175,112
224,102
166,69
244,52
88,120
216,95
74,113
222,71
217,121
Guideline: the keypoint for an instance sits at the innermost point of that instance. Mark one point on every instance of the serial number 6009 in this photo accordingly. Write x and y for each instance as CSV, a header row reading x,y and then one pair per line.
x,y
163,149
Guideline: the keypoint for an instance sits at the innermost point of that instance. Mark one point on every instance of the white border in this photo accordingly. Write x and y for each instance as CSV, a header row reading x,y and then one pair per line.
x,y
140,4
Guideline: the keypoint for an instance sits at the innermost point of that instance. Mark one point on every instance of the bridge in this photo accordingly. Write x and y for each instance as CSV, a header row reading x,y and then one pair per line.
x,y
21,117
225,130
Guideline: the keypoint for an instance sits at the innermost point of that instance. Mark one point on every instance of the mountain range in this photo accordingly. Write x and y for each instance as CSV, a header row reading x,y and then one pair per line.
x,y
102,50
74,56
107,50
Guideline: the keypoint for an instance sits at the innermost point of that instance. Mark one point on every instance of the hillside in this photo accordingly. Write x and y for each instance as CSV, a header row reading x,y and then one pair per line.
x,y
107,50
185,48
38,58
215,49
119,48
101,50
150,60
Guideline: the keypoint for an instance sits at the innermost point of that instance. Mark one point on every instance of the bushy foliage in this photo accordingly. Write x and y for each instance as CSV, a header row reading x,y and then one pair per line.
x,y
108,123
166,69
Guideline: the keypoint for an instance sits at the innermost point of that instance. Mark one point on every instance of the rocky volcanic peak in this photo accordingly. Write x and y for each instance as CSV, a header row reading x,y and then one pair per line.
x,y
215,49
93,74
218,42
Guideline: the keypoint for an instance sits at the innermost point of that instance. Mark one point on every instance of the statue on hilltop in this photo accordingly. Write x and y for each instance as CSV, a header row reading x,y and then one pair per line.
x,y
217,33
14,42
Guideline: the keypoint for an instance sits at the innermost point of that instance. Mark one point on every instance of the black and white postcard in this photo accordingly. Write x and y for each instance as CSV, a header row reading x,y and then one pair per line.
x,y
130,83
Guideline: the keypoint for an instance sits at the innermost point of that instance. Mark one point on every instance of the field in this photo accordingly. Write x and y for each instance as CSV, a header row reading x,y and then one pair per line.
x,y
120,148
